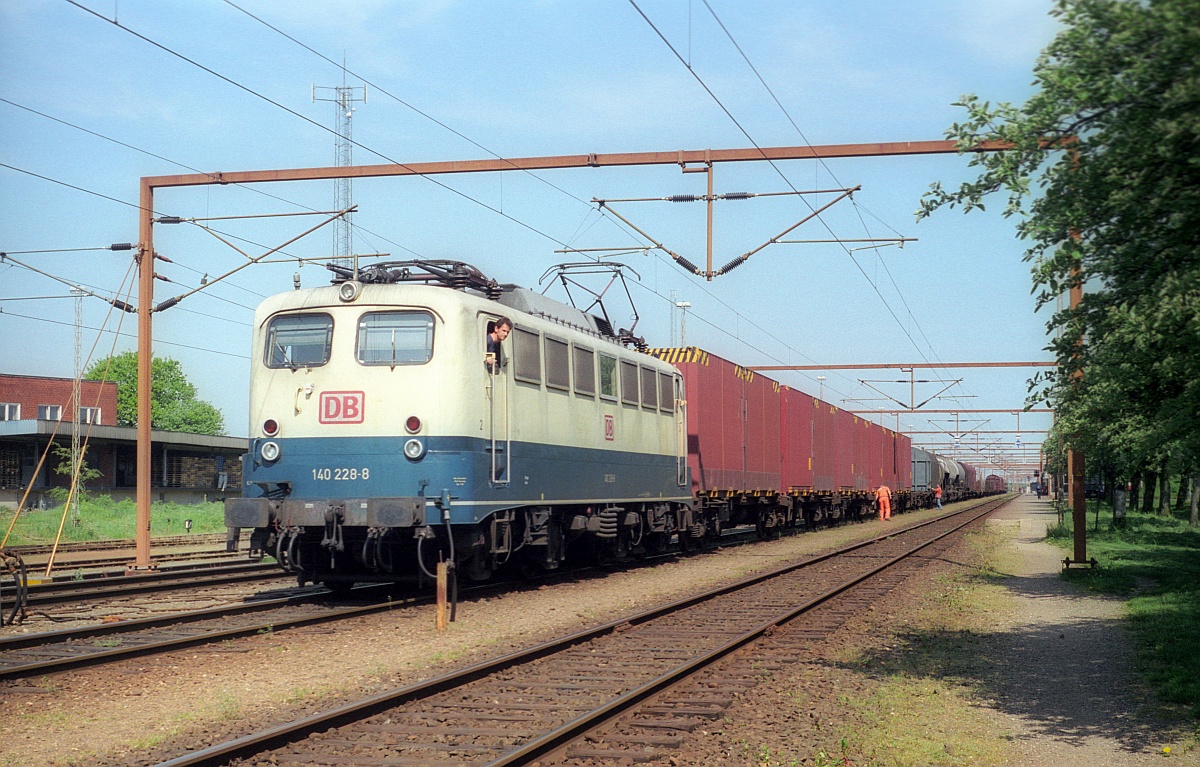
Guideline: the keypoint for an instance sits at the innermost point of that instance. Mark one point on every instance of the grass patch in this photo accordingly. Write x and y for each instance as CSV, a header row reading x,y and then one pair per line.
x,y
915,721
924,709
101,518
1155,562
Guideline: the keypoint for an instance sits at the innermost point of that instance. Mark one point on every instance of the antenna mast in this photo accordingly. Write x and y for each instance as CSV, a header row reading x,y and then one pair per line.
x,y
343,98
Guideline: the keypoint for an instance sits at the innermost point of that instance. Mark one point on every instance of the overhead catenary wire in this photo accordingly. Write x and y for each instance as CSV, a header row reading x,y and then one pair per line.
x,y
780,172
249,187
857,206
404,103
124,335
312,122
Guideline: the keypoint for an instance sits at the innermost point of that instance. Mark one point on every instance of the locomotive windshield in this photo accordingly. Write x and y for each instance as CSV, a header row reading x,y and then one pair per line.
x,y
299,340
395,338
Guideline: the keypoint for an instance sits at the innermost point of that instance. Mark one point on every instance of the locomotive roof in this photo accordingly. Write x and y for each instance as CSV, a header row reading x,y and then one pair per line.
x,y
458,275
538,305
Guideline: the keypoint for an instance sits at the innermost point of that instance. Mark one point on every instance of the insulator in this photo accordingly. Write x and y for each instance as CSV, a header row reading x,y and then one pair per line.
x,y
158,276
737,196
734,264
124,306
168,220
687,264
121,246
167,304
682,198
161,257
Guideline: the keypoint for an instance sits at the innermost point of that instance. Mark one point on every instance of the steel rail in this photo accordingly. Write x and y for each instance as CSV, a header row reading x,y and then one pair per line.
x,y
589,722
283,734
119,586
106,655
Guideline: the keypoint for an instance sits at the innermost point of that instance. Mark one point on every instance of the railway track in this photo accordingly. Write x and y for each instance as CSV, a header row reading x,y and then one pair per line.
x,y
191,539
51,651
626,692
97,643
83,590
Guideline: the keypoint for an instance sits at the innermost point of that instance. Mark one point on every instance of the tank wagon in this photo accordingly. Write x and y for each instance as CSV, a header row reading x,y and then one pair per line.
x,y
381,442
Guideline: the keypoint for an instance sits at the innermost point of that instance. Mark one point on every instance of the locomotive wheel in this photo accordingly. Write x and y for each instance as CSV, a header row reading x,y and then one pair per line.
x,y
657,543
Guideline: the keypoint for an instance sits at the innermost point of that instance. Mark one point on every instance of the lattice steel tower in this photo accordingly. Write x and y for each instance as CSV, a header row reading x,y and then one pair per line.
x,y
343,97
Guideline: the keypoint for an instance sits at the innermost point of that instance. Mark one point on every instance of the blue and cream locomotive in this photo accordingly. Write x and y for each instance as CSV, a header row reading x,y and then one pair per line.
x,y
381,442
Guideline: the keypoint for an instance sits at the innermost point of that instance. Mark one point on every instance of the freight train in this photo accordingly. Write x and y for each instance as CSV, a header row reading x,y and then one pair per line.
x,y
384,440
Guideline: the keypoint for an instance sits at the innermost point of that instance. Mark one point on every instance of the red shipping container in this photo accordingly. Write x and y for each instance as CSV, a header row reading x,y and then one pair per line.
x,y
762,397
845,428
825,446
904,461
890,467
875,472
796,439
733,422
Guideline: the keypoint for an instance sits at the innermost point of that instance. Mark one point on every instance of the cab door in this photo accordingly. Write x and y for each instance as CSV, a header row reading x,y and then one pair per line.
x,y
497,391
681,447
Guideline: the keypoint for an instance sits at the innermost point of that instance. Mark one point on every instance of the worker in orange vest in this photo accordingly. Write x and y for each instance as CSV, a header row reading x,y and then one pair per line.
x,y
937,495
883,498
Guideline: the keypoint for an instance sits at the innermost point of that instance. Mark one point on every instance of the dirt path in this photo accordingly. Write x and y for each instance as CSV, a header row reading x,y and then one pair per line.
x,y
1064,663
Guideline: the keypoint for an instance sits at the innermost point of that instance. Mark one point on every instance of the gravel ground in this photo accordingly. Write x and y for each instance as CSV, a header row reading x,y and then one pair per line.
x,y
144,711
1038,673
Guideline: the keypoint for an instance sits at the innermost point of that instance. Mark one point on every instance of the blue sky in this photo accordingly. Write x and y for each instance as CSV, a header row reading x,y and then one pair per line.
x,y
526,79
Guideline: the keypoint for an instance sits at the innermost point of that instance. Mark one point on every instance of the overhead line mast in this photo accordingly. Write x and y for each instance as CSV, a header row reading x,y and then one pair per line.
x,y
679,157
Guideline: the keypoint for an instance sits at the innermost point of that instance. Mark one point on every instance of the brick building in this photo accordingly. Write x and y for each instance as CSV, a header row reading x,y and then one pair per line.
x,y
36,410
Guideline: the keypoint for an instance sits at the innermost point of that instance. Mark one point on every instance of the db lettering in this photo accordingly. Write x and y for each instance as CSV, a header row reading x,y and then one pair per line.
x,y
341,407
610,428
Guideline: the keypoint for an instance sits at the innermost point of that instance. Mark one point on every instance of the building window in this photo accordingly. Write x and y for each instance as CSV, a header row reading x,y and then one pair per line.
x,y
49,412
10,411
10,468
395,338
89,415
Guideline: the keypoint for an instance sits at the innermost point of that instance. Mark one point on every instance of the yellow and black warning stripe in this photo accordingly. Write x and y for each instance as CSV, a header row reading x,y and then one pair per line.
x,y
679,355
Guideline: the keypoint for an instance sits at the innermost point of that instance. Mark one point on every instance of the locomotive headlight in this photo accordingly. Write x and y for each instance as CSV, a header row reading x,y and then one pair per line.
x,y
269,451
414,449
348,291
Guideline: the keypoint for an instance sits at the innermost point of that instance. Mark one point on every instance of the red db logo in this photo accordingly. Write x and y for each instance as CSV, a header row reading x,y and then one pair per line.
x,y
610,428
341,407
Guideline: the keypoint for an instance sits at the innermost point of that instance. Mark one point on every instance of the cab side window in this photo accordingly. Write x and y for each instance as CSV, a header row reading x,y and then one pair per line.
x,y
608,377
558,364
527,356
585,372
629,382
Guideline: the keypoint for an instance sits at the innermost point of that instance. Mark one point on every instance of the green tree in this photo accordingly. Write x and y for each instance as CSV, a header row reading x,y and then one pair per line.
x,y
173,402
1104,175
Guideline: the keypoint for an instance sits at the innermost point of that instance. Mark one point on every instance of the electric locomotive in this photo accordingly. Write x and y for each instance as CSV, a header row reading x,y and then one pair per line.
x,y
381,442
